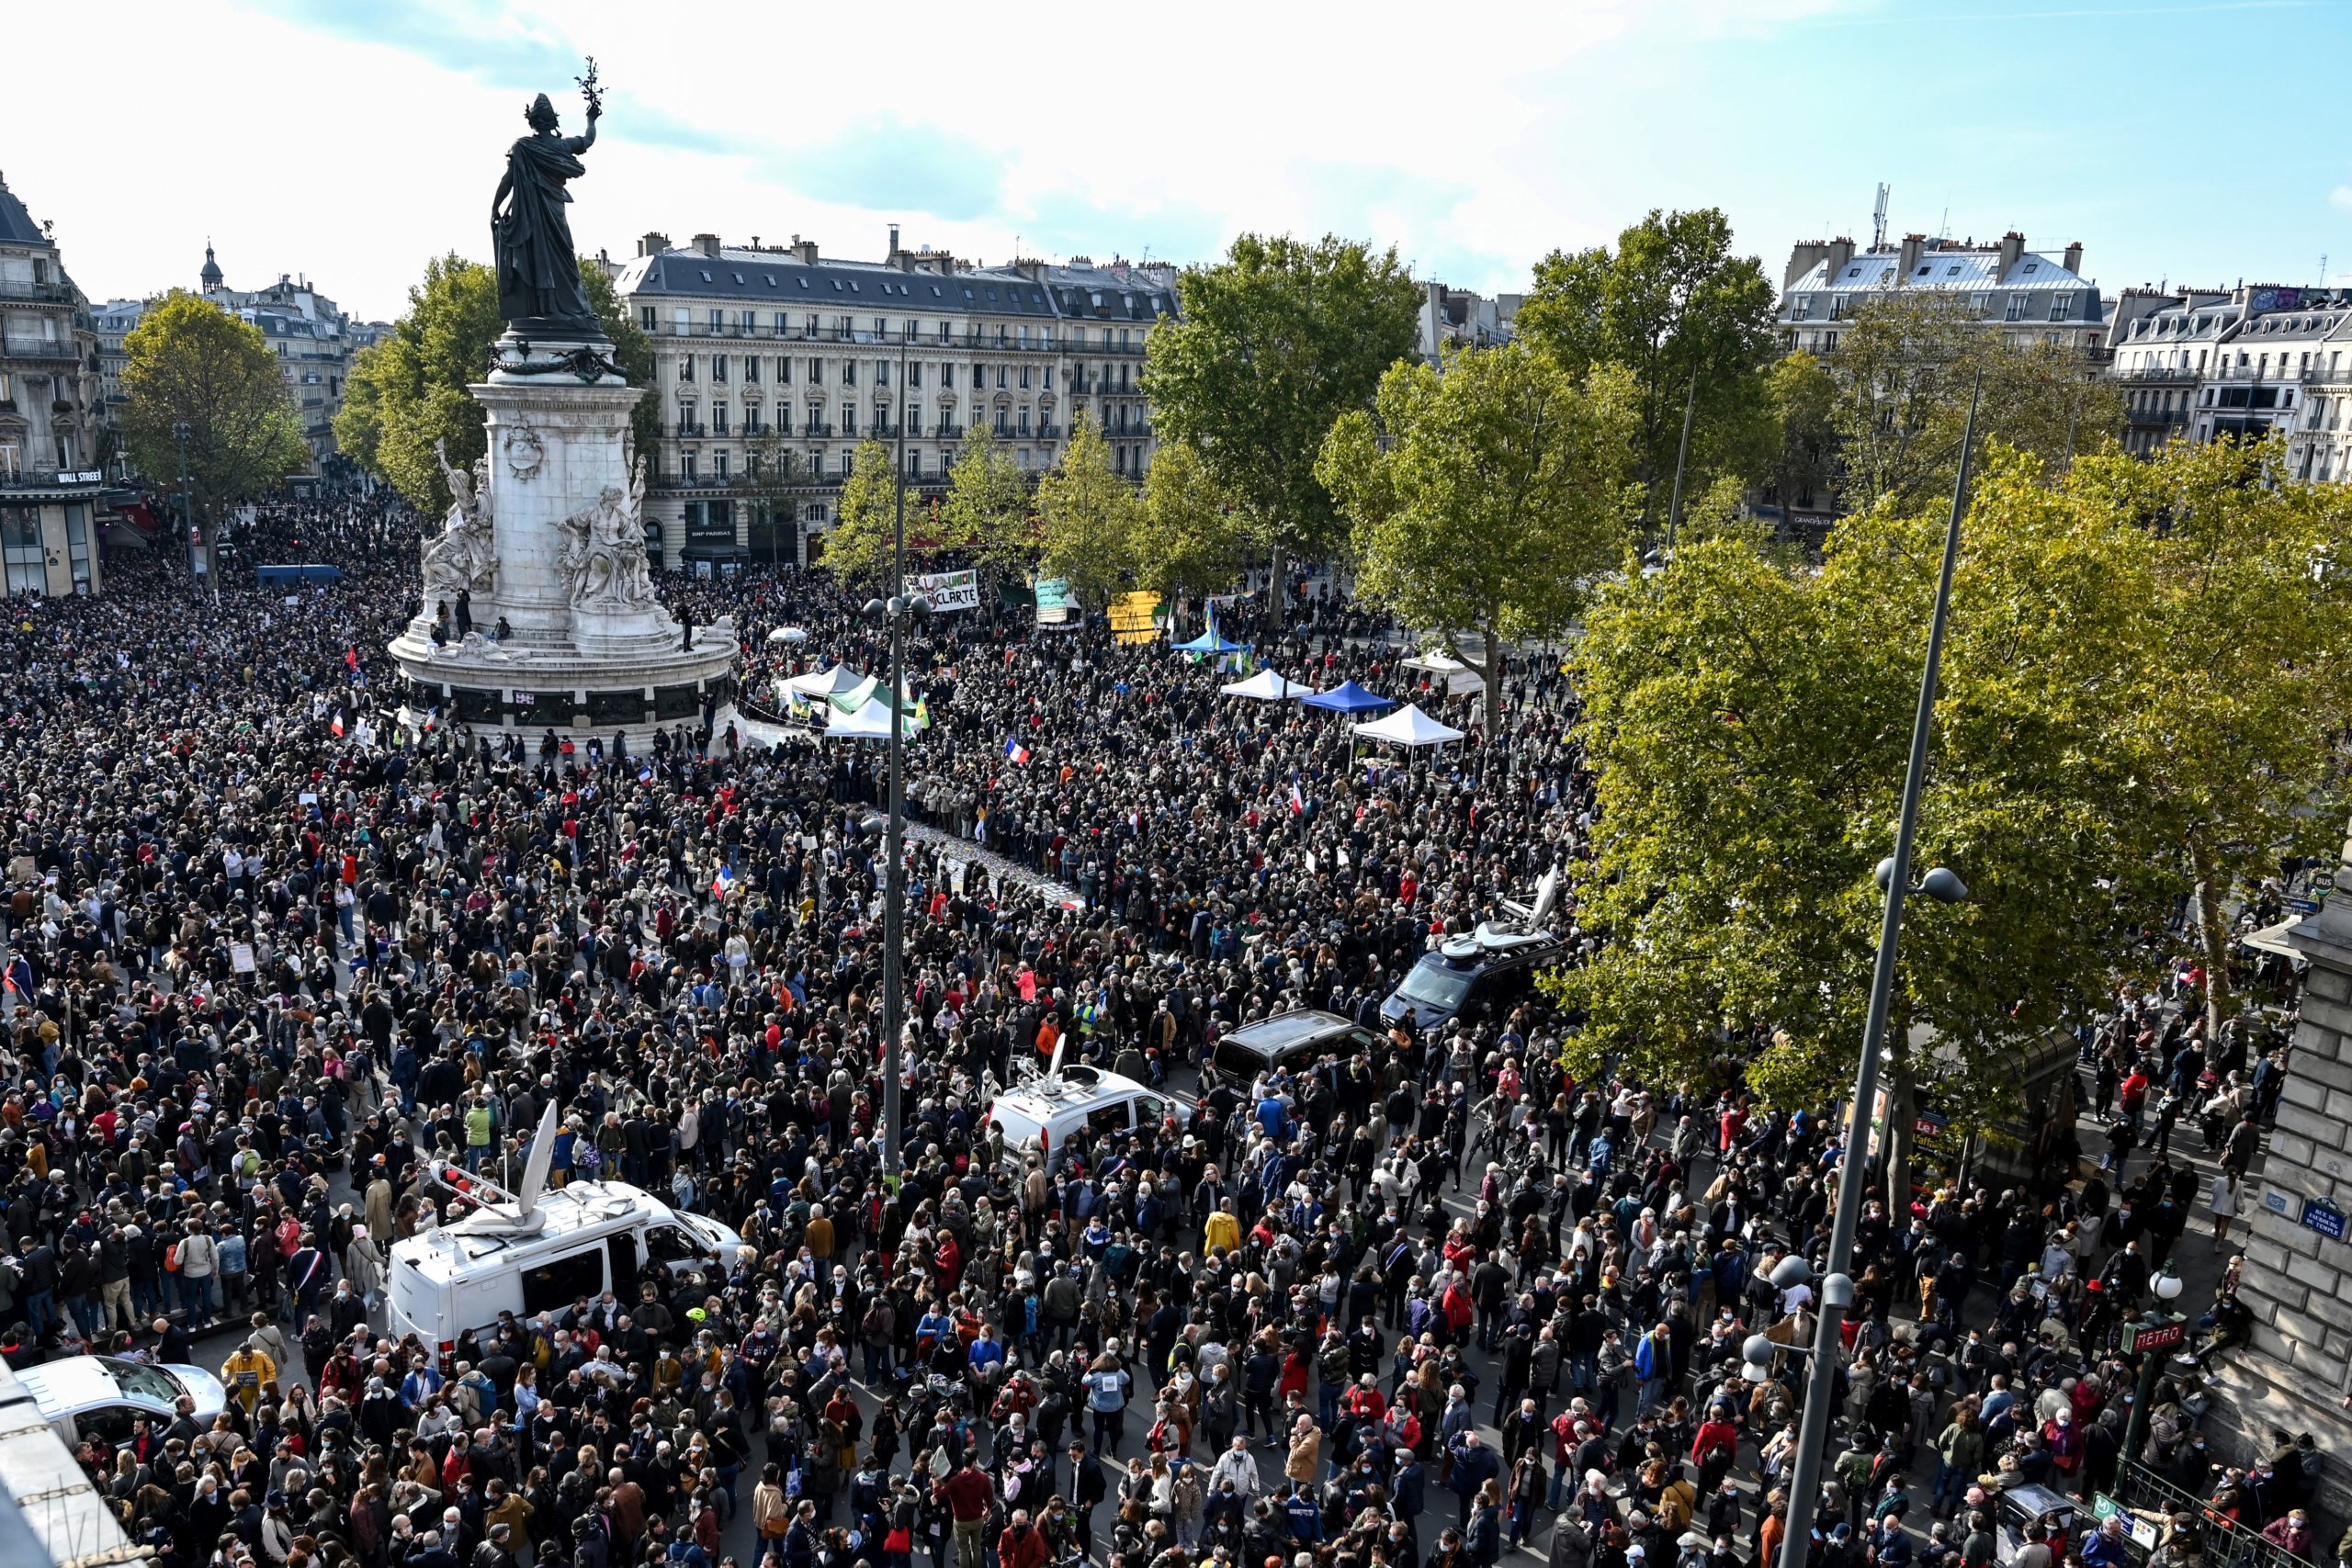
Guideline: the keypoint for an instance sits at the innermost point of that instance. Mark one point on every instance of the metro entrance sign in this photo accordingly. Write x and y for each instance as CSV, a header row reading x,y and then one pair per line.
x,y
2159,1336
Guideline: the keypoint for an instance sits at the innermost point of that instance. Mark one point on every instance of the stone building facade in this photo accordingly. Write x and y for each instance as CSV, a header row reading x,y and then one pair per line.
x,y
2297,1375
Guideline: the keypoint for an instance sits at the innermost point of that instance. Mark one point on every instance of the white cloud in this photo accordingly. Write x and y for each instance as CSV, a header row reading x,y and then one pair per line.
x,y
2341,198
353,142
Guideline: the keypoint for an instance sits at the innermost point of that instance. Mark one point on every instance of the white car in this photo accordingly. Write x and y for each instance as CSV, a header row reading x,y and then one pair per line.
x,y
97,1398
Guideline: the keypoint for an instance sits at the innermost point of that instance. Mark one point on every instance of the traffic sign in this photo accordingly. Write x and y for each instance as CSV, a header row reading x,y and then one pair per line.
x,y
2157,1337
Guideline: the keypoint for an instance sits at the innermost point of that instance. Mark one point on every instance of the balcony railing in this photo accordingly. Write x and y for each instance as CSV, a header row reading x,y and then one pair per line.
x,y
37,348
1049,433
949,432
2156,416
20,288
2170,374
690,430
2323,374
815,429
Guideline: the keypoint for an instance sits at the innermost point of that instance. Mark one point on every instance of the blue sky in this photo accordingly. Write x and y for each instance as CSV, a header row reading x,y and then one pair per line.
x,y
350,142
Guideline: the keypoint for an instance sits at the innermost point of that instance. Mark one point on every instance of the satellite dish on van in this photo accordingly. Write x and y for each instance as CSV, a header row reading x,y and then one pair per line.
x,y
535,1171
1547,893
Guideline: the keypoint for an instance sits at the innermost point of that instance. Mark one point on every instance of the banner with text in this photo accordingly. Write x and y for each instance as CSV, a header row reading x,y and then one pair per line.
x,y
949,590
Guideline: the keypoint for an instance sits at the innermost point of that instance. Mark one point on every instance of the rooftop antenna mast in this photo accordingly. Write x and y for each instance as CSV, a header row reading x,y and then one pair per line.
x,y
1878,220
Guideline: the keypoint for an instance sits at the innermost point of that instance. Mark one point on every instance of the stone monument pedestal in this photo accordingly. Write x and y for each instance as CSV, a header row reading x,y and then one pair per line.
x,y
549,536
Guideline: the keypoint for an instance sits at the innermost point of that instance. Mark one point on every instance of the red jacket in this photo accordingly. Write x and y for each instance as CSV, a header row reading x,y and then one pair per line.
x,y
968,1494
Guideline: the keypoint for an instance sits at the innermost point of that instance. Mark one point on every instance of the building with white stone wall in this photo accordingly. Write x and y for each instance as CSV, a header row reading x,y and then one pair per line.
x,y
2296,1376
779,349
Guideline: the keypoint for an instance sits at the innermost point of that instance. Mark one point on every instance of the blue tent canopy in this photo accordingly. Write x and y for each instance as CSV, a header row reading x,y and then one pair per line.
x,y
1210,640
1349,697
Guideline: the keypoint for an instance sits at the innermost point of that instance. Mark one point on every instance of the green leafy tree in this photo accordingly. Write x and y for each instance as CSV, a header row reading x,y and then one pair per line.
x,y
1803,399
2247,633
1089,517
1749,727
409,390
1677,309
1191,540
192,364
1274,344
1485,499
1906,364
988,511
858,549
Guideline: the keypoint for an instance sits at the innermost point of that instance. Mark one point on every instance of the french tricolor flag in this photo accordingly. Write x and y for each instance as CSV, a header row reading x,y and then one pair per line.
x,y
724,883
338,724
1015,750
1297,801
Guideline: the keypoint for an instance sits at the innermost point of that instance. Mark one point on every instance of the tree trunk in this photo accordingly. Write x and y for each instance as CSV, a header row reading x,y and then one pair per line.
x,y
1494,697
2213,930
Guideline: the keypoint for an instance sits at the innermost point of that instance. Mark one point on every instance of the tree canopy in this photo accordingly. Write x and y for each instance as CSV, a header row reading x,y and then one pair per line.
x,y
1675,308
1191,539
858,549
1274,344
1750,725
988,512
408,392
1900,382
192,363
1489,498
1089,517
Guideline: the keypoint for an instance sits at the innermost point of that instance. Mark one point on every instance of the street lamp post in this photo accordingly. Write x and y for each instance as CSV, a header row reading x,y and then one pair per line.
x,y
896,610
2156,1333
1681,455
1893,875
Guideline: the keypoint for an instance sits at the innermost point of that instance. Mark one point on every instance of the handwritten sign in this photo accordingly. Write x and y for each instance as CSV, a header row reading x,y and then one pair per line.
x,y
241,957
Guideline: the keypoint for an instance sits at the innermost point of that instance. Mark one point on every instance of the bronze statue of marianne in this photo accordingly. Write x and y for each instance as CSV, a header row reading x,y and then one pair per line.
x,y
538,272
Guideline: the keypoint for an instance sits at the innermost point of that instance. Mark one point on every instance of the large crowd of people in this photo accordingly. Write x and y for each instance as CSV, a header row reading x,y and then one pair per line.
x,y
261,975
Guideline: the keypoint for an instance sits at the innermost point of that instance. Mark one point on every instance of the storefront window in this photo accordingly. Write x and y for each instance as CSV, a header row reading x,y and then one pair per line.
x,y
20,552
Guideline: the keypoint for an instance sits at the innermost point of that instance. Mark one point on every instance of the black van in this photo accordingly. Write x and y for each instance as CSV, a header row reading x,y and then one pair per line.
x,y
1470,976
1292,1040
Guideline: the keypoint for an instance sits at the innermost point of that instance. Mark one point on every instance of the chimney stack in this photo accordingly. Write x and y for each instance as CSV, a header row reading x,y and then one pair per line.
x,y
1840,252
652,243
806,250
2012,247
1802,258
2074,258
894,239
1912,245
707,245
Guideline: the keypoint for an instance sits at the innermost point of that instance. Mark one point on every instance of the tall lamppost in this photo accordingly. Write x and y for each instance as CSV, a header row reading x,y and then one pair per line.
x,y
896,612
1893,875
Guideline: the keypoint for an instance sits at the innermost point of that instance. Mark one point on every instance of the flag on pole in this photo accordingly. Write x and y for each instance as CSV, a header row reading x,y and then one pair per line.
x,y
1015,750
338,724
351,657
20,978
1297,801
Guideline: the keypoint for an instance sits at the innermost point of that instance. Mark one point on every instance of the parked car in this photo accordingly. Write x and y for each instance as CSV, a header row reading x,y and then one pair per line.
x,y
97,1398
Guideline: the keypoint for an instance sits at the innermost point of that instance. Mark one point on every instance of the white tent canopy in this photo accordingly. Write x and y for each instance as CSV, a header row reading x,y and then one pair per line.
x,y
871,722
1460,679
820,685
1408,726
1266,686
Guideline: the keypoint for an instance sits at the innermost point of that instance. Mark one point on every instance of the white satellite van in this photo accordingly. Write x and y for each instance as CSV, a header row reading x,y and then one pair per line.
x,y
540,1249
1040,1113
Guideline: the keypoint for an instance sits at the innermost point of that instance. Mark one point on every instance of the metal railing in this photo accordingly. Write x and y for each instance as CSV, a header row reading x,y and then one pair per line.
x,y
37,348
816,430
2323,373
2228,1544
690,430
20,288
949,432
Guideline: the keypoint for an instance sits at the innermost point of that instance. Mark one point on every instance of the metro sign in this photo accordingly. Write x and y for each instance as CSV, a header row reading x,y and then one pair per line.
x,y
2158,1337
